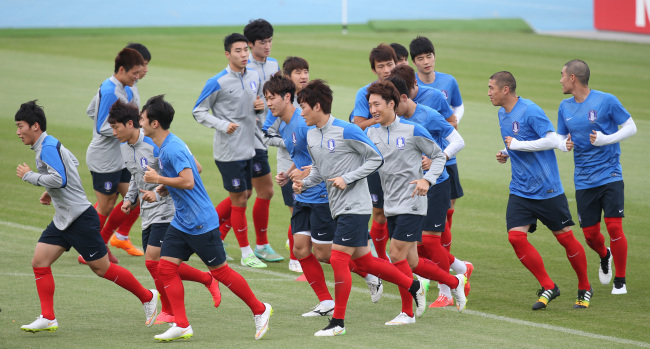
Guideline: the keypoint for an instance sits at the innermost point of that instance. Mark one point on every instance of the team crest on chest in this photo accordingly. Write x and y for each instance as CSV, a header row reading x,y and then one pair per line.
x,y
253,86
293,138
143,163
331,145
515,127
444,92
592,116
400,143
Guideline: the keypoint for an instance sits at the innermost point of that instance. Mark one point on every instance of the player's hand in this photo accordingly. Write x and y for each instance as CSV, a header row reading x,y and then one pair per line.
x,y
426,163
148,195
300,174
258,104
22,169
151,176
593,136
421,187
338,182
569,143
231,128
297,186
162,190
508,140
281,178
501,157
45,199
126,207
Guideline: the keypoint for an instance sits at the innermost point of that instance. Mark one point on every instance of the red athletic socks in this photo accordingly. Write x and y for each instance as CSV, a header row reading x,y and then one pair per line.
x,y
576,254
595,239
224,210
261,220
168,272
128,222
431,271
290,237
189,273
383,270
240,225
238,285
126,280
315,276
45,289
342,282
530,258
152,266
617,244
436,252
407,299
379,236
115,219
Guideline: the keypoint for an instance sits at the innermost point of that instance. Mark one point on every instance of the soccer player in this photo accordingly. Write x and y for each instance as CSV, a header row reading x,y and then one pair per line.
x,y
401,52
259,34
233,97
438,197
402,144
343,157
138,152
194,228
588,123
536,191
103,155
382,61
75,223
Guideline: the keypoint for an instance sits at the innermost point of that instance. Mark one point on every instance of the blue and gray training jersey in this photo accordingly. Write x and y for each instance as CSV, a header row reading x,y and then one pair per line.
x,y
265,70
137,157
229,96
103,154
57,171
341,149
402,144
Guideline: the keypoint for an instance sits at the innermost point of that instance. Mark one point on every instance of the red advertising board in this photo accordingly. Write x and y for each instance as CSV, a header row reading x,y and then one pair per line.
x,y
630,16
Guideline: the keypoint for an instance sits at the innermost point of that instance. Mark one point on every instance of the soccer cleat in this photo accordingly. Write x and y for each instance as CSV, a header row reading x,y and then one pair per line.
x,y
333,329
215,292
41,324
252,261
426,283
459,292
287,246
420,298
164,318
126,245
294,265
545,296
401,319
605,269
267,254
262,321
584,296
81,260
174,332
319,310
376,289
619,286
441,302
468,273
151,308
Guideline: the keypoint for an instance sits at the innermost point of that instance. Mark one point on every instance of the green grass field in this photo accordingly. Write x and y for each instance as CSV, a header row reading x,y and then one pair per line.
x,y
63,68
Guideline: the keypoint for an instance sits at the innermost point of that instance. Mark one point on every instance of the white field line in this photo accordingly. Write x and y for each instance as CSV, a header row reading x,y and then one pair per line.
x,y
283,277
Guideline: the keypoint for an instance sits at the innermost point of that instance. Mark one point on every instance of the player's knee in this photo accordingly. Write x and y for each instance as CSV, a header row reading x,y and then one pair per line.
x,y
516,237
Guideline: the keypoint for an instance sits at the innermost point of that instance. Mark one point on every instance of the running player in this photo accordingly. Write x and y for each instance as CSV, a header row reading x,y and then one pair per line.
x,y
588,123
75,223
233,97
402,144
536,191
194,228
343,157
139,151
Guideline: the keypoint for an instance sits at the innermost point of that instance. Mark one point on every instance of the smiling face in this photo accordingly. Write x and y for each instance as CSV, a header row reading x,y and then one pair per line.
x,y
125,133
381,111
238,55
300,78
28,134
277,104
129,78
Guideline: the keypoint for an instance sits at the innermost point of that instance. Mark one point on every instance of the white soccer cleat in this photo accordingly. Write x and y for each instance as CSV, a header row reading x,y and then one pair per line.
x,y
320,310
41,324
331,330
174,332
376,288
619,286
605,268
420,301
294,265
459,293
262,321
401,319
151,308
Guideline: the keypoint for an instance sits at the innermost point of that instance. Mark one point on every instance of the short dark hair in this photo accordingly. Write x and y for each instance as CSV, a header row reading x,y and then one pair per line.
x,y
420,45
406,73
158,108
317,91
292,63
32,113
233,38
258,29
279,85
382,53
505,78
386,90
580,69
128,58
146,55
399,84
400,51
122,112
